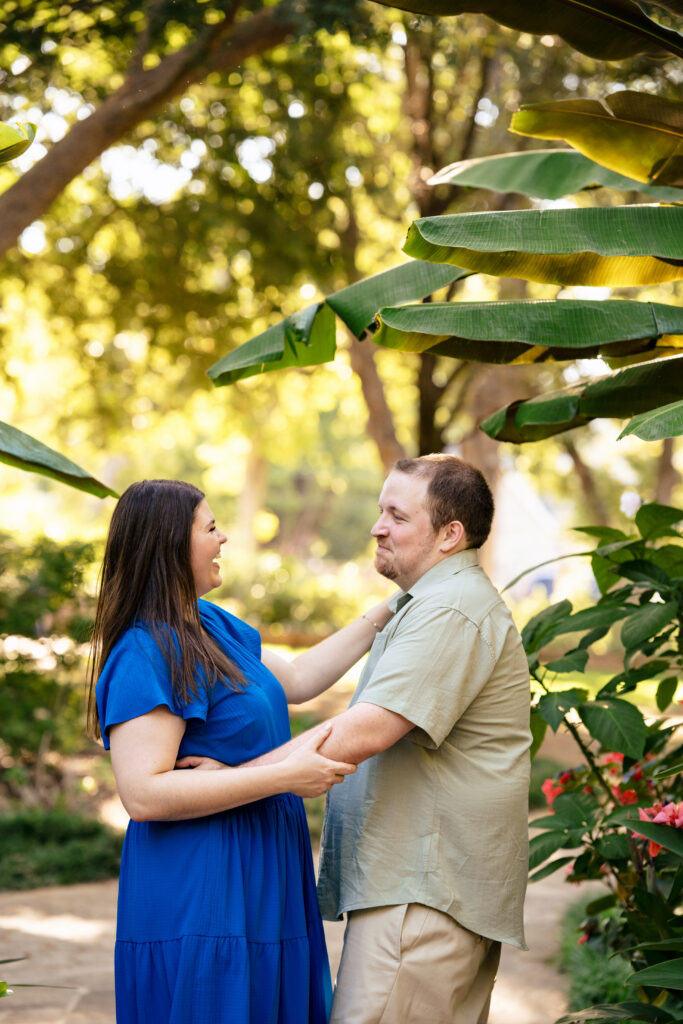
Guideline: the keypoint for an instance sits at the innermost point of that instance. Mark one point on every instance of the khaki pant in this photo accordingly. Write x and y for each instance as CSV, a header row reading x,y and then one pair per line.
x,y
411,964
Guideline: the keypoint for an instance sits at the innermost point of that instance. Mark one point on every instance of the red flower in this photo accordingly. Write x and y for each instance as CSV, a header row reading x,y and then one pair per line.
x,y
584,938
564,778
550,790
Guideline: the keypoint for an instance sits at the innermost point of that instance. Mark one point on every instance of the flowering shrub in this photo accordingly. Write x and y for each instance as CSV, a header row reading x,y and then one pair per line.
x,y
617,815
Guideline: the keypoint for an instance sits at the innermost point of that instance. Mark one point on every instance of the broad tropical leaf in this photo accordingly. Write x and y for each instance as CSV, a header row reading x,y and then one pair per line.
x,y
602,246
606,29
637,389
665,975
25,452
308,338
544,174
15,139
532,331
632,133
656,424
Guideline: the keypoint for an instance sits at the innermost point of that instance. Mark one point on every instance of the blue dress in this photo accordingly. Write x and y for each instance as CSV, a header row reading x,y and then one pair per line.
x,y
218,920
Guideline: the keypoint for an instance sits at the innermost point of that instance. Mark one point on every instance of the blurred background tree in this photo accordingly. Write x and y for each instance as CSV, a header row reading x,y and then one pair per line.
x,y
201,170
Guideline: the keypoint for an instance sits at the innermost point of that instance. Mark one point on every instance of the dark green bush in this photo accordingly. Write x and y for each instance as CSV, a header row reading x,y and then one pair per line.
x,y
53,848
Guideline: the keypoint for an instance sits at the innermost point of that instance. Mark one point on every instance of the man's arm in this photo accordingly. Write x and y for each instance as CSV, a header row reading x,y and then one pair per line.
x,y
361,732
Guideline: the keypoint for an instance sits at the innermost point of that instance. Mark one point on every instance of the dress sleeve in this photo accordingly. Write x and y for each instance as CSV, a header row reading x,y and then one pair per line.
x,y
431,671
135,680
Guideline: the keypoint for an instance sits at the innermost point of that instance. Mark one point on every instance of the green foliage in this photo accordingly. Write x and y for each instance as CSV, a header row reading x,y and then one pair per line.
x,y
594,976
628,762
43,620
53,848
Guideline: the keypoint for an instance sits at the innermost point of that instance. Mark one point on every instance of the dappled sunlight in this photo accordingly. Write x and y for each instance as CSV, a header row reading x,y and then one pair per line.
x,y
65,927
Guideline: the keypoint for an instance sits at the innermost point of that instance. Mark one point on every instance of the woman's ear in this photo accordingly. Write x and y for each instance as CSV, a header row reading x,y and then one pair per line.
x,y
454,537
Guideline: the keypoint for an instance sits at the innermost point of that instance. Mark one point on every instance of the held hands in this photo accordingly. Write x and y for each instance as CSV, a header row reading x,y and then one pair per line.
x,y
310,773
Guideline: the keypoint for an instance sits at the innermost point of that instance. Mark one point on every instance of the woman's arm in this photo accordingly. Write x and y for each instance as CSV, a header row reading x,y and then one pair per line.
x,y
315,670
144,752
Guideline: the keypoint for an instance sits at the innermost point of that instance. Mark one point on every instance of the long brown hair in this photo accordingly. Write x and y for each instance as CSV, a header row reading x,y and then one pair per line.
x,y
147,577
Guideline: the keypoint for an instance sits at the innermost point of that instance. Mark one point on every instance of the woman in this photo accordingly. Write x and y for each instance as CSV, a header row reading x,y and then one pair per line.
x,y
218,920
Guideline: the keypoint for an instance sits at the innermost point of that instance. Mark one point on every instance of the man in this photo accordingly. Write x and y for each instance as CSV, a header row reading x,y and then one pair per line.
x,y
425,847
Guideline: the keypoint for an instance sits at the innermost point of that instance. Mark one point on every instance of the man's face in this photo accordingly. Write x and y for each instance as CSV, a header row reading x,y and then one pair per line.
x,y
407,545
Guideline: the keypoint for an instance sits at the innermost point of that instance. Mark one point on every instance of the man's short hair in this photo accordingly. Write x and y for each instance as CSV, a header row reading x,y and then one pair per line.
x,y
456,491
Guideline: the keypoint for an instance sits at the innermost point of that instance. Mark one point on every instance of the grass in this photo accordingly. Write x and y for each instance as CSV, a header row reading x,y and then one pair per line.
x,y
40,848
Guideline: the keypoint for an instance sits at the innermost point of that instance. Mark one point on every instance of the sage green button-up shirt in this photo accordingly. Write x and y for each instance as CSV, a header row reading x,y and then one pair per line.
x,y
440,818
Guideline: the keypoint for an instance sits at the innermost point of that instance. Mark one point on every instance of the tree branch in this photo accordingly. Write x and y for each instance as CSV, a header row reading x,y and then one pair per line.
x,y
219,48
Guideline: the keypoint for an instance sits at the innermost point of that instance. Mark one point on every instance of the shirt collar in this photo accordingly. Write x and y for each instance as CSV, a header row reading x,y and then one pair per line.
x,y
439,572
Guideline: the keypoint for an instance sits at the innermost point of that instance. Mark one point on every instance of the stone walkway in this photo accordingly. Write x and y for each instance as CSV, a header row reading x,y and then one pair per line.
x,y
67,935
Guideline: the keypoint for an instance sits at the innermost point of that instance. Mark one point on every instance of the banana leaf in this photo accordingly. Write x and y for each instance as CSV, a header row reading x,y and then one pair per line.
x,y
633,133
15,140
637,389
544,174
308,338
599,246
533,331
657,424
25,452
606,29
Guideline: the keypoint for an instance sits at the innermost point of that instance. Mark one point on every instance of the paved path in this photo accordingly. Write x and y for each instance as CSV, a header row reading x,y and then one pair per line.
x,y
67,935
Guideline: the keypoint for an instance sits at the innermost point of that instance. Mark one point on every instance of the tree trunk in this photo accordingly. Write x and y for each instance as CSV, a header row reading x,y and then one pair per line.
x,y
219,48
667,475
380,423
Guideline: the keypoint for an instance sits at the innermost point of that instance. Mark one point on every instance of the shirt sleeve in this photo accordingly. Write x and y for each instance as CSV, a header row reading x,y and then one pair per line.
x,y
432,669
135,680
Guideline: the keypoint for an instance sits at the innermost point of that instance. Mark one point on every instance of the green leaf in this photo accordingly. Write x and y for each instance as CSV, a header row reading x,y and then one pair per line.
x,y
674,769
665,944
636,134
358,304
574,661
601,903
15,140
542,627
654,520
538,730
25,452
635,389
575,810
544,174
616,725
541,330
613,847
657,424
544,846
646,622
597,246
308,338
550,868
611,1013
601,616
666,975
666,835
304,339
606,29
641,570
552,707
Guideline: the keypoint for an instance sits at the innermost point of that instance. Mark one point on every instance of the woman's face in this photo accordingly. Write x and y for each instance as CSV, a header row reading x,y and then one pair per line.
x,y
205,547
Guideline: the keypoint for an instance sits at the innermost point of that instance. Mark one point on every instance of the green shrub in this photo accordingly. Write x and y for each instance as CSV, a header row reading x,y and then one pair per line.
x,y
594,977
53,848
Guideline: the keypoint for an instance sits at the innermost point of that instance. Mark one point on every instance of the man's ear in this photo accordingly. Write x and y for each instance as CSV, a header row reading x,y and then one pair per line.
x,y
454,537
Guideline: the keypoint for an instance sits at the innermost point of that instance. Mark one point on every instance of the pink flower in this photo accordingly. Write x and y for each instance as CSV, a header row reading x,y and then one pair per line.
x,y
615,757
670,814
584,938
550,790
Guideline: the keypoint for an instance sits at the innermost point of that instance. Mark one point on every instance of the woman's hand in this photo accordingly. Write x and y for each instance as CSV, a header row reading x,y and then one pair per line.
x,y
309,773
200,762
